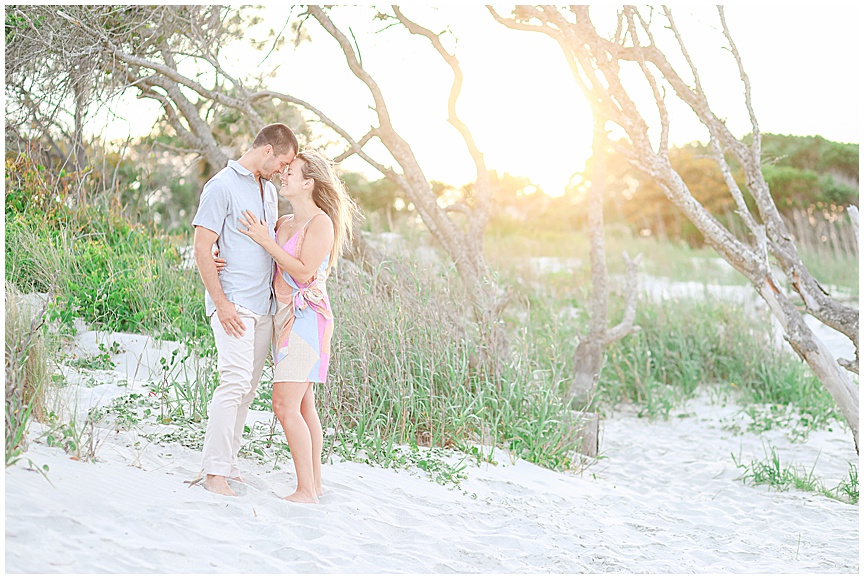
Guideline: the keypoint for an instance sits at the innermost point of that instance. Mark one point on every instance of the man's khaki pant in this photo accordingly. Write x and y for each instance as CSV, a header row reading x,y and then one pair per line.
x,y
240,363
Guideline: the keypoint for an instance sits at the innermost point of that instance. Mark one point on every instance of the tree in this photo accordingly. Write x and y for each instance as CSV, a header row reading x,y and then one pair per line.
x,y
588,358
463,245
52,51
377,196
171,54
596,65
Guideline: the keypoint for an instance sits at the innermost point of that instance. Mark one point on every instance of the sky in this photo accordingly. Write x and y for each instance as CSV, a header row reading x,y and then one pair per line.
x,y
520,100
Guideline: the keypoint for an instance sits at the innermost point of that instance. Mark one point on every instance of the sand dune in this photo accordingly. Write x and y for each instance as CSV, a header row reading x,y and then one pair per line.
x,y
663,499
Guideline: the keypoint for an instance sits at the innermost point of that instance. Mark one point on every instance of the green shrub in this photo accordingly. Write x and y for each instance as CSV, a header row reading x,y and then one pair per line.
x,y
111,272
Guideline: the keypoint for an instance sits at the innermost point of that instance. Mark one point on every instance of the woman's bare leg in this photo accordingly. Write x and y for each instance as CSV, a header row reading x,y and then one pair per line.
x,y
310,415
287,398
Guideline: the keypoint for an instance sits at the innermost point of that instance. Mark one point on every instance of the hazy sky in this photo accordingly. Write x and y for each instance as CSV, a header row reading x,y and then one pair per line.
x,y
520,101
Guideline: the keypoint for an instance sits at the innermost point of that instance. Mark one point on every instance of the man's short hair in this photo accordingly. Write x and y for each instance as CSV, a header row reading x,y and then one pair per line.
x,y
279,136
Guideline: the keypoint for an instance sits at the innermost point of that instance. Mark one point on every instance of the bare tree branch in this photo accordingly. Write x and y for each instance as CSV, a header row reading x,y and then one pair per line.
x,y
748,98
598,58
479,217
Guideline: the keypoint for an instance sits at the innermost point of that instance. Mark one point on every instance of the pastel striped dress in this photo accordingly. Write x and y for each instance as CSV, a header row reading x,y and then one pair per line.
x,y
303,324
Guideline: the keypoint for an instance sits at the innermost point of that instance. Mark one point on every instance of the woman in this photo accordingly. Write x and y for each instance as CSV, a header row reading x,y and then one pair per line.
x,y
306,247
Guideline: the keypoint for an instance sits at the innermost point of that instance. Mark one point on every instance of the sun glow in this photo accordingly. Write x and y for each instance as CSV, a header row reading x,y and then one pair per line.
x,y
523,108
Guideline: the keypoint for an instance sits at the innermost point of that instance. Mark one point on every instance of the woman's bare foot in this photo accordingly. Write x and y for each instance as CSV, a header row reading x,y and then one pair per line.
x,y
217,484
298,497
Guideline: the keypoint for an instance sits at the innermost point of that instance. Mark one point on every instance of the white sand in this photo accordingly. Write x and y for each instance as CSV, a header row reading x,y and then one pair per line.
x,y
664,499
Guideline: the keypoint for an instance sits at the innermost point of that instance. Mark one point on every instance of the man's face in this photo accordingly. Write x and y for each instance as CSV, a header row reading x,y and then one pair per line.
x,y
275,163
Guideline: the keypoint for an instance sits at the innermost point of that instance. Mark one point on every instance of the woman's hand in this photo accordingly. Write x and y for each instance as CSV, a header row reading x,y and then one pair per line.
x,y
255,228
220,263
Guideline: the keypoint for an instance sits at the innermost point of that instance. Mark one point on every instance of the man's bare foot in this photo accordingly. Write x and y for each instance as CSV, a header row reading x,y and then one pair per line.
x,y
298,497
217,484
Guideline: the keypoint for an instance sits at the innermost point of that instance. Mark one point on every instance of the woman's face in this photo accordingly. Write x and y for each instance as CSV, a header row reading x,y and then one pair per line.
x,y
292,178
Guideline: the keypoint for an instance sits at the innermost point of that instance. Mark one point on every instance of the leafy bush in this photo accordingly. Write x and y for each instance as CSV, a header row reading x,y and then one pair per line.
x,y
111,272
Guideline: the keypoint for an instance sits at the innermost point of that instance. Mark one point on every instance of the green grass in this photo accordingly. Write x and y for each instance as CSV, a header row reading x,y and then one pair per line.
x,y
405,378
684,343
404,371
719,343
772,472
26,371
115,274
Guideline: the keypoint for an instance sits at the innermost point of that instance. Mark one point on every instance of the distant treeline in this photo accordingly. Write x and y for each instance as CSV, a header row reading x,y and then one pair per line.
x,y
806,174
810,175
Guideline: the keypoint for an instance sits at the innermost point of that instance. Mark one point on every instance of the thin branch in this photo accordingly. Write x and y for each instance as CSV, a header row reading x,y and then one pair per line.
x,y
357,146
483,207
276,40
356,46
649,76
626,327
353,63
757,136
458,208
516,24
742,210
668,13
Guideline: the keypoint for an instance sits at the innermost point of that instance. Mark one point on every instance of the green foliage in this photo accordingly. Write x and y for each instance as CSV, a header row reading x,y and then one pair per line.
x,y
771,472
801,172
80,440
720,343
113,273
100,361
404,371
437,463
26,371
813,153
188,382
848,487
126,411
792,187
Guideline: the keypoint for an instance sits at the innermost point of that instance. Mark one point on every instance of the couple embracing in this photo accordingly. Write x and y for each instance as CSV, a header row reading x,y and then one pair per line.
x,y
255,309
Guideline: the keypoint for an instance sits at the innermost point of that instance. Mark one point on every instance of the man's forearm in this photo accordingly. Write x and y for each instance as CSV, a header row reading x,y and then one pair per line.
x,y
209,274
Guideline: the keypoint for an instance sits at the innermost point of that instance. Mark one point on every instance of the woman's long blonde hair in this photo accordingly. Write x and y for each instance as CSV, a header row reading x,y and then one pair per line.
x,y
331,196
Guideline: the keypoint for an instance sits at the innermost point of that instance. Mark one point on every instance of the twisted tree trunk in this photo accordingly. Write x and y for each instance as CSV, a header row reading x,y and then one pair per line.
x,y
588,358
596,66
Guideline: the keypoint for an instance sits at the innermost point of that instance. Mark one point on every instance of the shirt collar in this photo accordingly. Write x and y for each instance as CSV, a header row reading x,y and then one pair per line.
x,y
240,168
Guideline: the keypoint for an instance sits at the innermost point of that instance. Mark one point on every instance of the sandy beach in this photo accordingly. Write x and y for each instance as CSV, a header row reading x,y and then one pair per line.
x,y
663,498
461,260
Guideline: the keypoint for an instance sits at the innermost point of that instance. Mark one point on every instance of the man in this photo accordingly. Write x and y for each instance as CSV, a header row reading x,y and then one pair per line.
x,y
240,296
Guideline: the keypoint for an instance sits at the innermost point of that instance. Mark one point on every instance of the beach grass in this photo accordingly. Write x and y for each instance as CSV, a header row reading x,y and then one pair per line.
x,y
26,370
776,474
404,372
